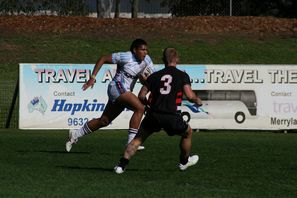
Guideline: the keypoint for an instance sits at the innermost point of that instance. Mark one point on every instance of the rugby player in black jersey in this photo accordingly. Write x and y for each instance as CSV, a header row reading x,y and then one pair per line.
x,y
166,88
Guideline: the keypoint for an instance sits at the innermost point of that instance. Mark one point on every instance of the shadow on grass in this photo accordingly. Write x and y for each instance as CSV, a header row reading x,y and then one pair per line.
x,y
111,169
54,152
86,168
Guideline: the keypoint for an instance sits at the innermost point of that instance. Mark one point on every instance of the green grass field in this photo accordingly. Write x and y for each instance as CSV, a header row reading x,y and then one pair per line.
x,y
194,49
232,164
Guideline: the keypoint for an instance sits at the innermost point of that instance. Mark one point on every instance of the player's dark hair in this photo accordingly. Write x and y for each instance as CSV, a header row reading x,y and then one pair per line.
x,y
137,43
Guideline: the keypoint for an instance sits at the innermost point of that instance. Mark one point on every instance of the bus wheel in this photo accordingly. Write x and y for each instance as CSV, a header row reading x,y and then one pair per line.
x,y
239,117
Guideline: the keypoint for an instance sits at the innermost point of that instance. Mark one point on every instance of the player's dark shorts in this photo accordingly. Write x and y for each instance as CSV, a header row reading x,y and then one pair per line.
x,y
173,124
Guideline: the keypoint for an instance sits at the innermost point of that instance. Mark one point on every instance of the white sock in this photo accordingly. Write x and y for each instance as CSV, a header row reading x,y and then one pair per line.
x,y
131,134
85,130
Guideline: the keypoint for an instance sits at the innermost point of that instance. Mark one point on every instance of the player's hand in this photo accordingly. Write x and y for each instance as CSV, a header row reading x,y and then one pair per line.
x,y
88,84
142,79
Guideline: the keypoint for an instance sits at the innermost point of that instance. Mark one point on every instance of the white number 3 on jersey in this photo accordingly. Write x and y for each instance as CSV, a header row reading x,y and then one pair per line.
x,y
167,79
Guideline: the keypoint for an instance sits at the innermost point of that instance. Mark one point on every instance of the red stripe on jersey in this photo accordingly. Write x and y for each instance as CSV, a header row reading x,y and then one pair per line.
x,y
178,101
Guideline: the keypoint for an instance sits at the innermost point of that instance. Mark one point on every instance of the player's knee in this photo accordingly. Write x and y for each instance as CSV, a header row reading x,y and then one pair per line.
x,y
139,110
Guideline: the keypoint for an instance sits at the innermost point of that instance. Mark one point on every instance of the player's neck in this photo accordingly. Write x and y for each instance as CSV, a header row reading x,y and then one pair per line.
x,y
171,65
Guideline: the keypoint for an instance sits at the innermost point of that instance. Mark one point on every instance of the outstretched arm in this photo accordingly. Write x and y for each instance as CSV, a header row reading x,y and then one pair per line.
x,y
191,96
97,67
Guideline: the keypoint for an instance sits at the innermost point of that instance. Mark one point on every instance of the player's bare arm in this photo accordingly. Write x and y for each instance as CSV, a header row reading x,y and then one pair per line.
x,y
142,94
191,96
97,67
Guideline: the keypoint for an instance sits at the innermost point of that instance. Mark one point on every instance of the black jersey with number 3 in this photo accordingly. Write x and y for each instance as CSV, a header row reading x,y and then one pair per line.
x,y
166,88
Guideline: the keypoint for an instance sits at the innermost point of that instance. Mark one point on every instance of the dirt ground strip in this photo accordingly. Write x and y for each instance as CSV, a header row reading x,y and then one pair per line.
x,y
151,26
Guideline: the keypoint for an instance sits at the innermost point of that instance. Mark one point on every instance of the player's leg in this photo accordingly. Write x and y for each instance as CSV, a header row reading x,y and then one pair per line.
x,y
148,125
185,145
133,103
131,149
175,125
111,111
185,148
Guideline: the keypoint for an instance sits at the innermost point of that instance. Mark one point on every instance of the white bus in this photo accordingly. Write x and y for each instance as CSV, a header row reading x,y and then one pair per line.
x,y
222,104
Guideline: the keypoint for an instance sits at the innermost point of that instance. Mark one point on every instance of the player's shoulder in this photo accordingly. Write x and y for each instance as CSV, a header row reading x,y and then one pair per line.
x,y
127,54
122,56
178,73
182,72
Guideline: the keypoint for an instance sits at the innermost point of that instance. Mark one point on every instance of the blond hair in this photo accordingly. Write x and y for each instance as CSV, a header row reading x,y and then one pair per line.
x,y
170,55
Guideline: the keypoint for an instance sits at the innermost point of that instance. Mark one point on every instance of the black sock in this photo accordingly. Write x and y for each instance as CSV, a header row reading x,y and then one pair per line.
x,y
123,162
183,160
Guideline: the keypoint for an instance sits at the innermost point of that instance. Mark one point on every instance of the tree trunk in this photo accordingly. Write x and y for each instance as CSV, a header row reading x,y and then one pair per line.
x,y
117,8
104,8
134,8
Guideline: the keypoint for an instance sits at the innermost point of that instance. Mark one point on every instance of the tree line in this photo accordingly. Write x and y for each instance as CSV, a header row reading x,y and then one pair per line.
x,y
277,8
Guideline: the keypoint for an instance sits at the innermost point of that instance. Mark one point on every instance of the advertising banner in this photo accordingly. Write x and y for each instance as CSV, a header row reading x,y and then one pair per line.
x,y
234,96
